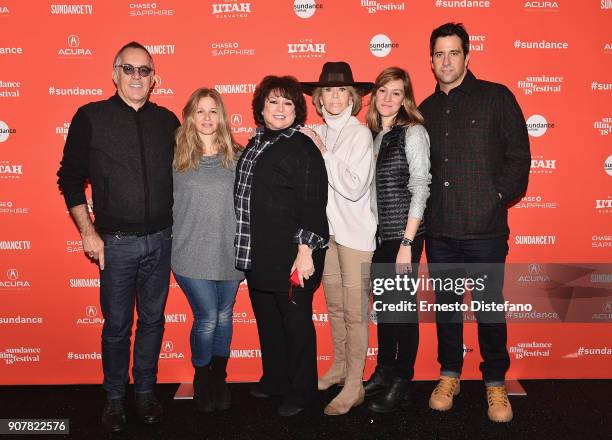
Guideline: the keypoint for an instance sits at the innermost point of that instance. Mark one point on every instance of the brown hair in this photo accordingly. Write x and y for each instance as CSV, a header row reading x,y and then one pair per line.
x,y
408,113
356,97
189,148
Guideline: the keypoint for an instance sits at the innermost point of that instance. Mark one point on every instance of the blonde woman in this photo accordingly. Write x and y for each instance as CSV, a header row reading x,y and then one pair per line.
x,y
203,246
346,146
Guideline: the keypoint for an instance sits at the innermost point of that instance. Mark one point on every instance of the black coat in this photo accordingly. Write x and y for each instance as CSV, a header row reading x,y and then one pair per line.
x,y
289,192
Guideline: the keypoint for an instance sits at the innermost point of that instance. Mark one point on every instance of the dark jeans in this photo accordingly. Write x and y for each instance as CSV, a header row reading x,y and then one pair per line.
x,y
288,344
137,270
398,342
492,332
212,304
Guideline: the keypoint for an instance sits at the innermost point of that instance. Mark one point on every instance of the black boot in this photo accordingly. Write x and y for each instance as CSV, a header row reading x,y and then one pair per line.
x,y
395,397
379,381
113,416
202,392
220,390
148,408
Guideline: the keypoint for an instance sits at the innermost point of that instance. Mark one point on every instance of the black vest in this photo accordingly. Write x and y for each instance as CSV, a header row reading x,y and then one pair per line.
x,y
392,176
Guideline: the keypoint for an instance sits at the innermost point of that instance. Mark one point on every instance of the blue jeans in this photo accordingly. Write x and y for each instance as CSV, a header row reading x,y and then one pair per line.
x,y
212,303
137,271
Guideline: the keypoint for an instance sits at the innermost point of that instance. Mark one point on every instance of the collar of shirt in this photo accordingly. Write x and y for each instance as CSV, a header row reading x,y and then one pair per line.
x,y
117,100
276,134
467,86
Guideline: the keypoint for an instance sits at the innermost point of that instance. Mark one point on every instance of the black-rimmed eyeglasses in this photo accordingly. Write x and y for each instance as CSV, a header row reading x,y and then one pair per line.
x,y
128,69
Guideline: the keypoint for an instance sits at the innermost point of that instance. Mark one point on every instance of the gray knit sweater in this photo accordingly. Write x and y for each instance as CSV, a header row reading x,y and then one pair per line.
x,y
204,222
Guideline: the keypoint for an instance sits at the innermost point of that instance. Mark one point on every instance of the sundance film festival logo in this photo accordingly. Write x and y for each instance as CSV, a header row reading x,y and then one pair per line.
x,y
535,240
532,85
63,9
15,245
601,241
245,354
537,125
175,318
306,48
535,274
237,126
160,49
236,89
603,126
74,48
168,353
11,51
462,3
374,6
91,317
10,171
531,350
83,283
17,355
8,207
539,165
149,10
541,44
306,8
12,281
604,206
542,6
160,89
9,89
608,166
62,130
5,131
536,202
229,49
231,9
477,43
381,45
21,320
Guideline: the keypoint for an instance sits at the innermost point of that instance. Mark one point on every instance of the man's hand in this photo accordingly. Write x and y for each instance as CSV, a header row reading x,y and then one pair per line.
x,y
303,263
93,246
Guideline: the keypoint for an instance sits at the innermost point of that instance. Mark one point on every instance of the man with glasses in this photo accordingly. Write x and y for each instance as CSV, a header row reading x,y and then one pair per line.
x,y
480,162
124,147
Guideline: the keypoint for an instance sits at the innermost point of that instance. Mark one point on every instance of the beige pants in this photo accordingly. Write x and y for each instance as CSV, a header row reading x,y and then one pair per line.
x,y
347,303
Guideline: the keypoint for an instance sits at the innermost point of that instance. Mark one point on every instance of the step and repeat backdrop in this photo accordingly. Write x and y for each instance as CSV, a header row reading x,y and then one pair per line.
x,y
556,56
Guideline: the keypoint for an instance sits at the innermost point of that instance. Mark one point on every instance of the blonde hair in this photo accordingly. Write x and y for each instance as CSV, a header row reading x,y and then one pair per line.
x,y
408,113
189,149
356,97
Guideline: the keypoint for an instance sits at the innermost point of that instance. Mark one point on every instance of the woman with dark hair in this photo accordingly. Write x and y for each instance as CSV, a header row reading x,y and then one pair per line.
x,y
203,245
402,188
346,147
280,194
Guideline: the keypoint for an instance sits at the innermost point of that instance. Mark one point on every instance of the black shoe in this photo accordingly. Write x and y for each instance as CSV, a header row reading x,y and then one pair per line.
x,y
289,409
202,392
113,416
256,391
148,408
221,393
397,396
379,381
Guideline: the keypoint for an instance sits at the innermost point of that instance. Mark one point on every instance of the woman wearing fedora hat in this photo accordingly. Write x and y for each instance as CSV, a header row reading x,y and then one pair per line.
x,y
402,188
346,146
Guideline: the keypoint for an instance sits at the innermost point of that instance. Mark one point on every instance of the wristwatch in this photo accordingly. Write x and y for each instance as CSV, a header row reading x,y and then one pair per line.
x,y
407,241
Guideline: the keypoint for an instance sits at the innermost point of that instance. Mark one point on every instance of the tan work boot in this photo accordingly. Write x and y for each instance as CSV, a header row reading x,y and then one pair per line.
x,y
442,396
500,409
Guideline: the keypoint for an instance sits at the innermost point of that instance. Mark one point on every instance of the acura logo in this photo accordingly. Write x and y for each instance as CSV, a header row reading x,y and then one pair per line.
x,y
607,307
158,80
535,269
168,346
12,274
236,119
91,311
74,41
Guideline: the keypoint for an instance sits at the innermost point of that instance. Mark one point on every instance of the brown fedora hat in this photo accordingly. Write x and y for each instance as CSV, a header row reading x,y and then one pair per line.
x,y
335,74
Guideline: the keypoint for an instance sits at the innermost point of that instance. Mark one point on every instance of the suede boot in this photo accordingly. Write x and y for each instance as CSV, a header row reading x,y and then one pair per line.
x,y
221,393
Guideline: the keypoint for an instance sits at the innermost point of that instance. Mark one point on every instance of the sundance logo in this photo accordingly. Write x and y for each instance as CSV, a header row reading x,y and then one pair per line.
x,y
9,89
74,49
159,89
15,245
175,318
149,10
11,51
531,349
168,353
60,9
381,45
16,355
231,9
306,8
13,282
539,165
606,4
477,43
5,131
91,317
8,207
604,126
374,6
608,166
541,6
21,320
535,240
306,48
235,89
160,49
541,84
78,283
248,354
537,125
62,130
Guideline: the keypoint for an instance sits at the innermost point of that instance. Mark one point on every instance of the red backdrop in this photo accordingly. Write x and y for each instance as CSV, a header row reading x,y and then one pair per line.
x,y
55,56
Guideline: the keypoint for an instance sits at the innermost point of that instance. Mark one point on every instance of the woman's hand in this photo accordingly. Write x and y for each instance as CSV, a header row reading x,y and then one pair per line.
x,y
315,138
403,261
303,263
